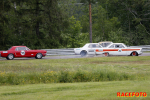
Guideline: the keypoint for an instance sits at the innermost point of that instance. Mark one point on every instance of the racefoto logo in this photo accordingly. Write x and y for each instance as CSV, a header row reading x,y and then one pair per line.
x,y
131,94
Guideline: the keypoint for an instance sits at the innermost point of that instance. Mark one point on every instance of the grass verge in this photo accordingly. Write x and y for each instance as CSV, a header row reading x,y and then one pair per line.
x,y
75,91
74,70
101,77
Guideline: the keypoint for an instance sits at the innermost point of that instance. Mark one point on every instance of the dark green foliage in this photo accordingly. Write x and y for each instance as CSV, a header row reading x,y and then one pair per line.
x,y
36,24
41,24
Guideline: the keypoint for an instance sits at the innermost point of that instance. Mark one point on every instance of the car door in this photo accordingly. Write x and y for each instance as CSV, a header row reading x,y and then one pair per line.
x,y
92,48
30,53
20,51
111,49
119,49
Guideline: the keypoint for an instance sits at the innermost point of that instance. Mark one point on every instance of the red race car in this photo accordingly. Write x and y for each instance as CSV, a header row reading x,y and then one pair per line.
x,y
22,51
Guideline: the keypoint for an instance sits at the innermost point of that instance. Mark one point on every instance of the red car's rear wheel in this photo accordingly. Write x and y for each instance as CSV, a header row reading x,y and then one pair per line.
x,y
10,57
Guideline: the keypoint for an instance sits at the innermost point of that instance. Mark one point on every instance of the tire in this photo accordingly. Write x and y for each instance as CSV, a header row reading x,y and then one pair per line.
x,y
83,53
38,56
10,57
106,54
134,53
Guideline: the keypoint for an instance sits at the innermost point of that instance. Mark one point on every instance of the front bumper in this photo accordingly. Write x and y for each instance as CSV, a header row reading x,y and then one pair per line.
x,y
44,54
140,53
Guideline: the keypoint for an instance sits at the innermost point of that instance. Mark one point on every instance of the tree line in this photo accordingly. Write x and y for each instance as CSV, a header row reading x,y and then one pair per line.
x,y
65,23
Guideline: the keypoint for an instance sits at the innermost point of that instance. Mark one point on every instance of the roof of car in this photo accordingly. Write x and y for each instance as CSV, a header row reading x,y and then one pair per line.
x,y
105,42
91,43
18,46
118,43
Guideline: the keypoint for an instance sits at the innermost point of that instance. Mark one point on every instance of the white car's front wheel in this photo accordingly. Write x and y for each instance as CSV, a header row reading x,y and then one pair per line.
x,y
83,53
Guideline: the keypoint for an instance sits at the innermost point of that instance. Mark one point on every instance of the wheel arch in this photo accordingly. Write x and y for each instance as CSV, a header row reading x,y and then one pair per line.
x,y
83,50
83,54
37,54
8,55
106,54
133,52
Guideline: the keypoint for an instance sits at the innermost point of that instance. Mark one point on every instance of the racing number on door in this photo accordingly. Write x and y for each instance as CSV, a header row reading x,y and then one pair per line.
x,y
22,53
119,50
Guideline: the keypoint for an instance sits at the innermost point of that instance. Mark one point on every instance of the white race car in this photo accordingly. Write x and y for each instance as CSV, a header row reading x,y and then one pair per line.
x,y
88,48
119,49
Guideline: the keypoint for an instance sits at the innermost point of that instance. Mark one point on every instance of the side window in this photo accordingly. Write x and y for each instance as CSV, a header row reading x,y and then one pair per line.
x,y
107,44
112,46
119,46
90,46
94,46
98,46
116,46
103,45
20,48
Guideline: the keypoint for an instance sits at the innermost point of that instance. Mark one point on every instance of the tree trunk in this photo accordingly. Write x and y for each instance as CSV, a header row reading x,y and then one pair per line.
x,y
90,21
37,21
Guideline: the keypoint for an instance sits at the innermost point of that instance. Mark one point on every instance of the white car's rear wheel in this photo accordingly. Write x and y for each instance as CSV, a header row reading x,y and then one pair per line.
x,y
106,54
134,53
10,57
83,53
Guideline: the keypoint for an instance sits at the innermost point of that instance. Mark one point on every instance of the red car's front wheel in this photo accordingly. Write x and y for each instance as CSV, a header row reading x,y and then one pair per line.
x,y
38,56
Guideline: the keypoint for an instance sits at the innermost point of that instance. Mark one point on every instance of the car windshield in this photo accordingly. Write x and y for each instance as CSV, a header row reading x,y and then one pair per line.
x,y
125,45
105,44
27,48
9,48
85,45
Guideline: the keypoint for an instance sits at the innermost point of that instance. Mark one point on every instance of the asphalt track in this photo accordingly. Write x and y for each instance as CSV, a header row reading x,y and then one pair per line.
x,y
67,57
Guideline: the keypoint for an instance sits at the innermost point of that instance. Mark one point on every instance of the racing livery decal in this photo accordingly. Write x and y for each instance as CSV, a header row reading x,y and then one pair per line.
x,y
22,53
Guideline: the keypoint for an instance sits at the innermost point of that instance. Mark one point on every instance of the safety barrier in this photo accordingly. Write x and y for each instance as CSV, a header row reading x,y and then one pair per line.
x,y
144,47
69,51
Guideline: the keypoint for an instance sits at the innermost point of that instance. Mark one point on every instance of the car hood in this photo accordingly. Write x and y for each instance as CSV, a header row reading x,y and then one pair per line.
x,y
39,50
133,48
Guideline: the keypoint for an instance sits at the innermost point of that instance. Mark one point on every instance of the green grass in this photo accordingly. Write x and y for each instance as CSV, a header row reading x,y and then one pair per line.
x,y
75,91
73,70
101,77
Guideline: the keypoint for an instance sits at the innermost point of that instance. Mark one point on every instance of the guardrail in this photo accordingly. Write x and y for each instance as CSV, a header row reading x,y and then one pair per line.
x,y
69,51
144,47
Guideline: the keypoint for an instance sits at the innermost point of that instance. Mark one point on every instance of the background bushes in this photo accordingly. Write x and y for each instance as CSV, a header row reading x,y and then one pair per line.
x,y
62,77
